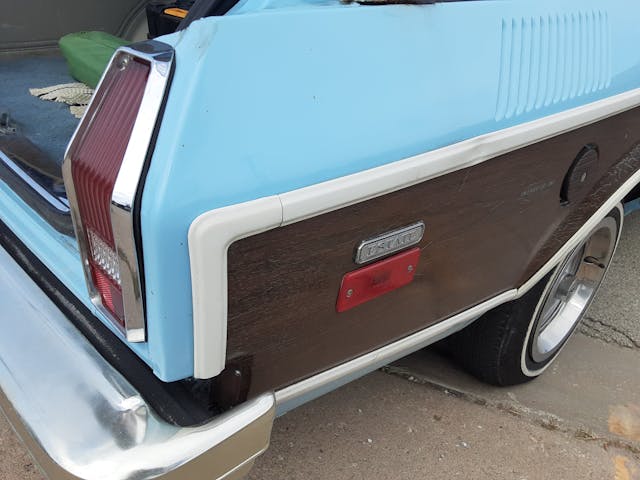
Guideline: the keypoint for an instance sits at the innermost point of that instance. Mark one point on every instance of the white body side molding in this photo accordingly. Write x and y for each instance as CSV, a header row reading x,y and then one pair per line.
x,y
212,232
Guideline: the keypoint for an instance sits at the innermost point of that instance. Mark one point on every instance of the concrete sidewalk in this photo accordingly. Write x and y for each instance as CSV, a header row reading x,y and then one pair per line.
x,y
384,427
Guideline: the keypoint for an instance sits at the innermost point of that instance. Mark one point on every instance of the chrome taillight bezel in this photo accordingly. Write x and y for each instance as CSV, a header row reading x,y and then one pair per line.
x,y
124,199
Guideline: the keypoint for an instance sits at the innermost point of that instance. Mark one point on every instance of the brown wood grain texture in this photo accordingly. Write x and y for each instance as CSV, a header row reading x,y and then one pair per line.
x,y
488,229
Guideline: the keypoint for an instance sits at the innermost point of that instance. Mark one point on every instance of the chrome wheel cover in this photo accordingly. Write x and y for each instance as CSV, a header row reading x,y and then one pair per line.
x,y
571,290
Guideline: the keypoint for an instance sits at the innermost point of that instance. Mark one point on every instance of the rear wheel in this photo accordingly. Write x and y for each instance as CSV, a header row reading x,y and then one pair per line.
x,y
517,341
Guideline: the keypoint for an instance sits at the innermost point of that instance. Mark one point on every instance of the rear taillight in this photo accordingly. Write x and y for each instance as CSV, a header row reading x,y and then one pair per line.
x,y
102,171
97,158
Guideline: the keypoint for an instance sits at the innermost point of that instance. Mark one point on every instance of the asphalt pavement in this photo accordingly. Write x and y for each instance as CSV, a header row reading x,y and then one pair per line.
x,y
424,418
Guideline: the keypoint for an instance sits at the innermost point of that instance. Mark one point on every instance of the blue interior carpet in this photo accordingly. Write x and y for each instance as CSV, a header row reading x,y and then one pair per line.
x,y
49,125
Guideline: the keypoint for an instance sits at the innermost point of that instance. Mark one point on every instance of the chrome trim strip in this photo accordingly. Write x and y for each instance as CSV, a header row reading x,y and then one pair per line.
x,y
123,200
76,218
160,58
82,419
211,233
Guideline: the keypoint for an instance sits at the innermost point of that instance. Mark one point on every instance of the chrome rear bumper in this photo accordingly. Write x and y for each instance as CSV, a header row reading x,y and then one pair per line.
x,y
81,418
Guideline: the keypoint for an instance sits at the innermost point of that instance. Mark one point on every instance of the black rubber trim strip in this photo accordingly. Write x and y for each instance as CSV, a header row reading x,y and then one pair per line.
x,y
176,402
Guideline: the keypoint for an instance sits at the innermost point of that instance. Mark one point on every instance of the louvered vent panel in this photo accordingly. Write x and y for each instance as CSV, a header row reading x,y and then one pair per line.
x,y
551,59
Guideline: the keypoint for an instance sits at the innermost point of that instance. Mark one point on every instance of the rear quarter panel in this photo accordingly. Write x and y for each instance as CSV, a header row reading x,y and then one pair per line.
x,y
272,101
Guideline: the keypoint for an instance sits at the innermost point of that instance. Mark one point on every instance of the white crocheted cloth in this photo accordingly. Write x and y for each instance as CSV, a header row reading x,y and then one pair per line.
x,y
77,95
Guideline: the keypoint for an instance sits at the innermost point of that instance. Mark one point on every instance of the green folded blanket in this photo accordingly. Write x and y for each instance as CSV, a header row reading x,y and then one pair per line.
x,y
88,53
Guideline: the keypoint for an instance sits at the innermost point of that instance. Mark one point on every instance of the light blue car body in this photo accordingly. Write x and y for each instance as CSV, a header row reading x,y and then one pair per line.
x,y
279,95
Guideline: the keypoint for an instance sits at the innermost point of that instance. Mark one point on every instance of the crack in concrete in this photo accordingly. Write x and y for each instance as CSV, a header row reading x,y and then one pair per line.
x,y
540,418
589,329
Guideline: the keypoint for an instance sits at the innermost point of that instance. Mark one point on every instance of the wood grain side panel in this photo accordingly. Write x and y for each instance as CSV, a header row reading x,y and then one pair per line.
x,y
488,229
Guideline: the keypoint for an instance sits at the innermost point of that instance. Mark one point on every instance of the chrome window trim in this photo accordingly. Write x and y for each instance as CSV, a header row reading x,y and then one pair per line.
x,y
160,57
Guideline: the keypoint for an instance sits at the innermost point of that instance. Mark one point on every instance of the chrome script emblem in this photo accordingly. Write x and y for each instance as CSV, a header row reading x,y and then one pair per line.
x,y
389,242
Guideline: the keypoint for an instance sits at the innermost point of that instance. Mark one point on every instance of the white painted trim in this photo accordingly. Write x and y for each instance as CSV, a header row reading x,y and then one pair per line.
x,y
212,232
209,238
327,196
334,377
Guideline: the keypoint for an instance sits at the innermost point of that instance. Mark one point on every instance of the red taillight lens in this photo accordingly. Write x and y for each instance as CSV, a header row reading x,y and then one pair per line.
x,y
96,157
